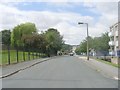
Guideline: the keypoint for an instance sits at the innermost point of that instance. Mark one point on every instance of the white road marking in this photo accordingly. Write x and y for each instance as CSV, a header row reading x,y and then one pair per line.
x,y
116,78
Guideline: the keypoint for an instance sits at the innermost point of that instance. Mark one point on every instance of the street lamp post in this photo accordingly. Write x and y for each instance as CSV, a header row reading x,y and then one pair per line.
x,y
87,39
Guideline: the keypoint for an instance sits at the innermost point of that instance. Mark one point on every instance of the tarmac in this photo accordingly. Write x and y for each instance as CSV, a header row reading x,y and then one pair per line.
x,y
103,68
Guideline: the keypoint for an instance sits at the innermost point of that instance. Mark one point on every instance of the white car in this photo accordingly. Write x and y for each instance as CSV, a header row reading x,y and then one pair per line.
x,y
71,54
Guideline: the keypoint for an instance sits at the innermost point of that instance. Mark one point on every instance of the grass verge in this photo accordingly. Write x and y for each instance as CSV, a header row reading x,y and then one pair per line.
x,y
13,57
109,63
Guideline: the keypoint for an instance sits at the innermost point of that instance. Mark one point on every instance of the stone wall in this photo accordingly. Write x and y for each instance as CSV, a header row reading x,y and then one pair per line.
x,y
114,60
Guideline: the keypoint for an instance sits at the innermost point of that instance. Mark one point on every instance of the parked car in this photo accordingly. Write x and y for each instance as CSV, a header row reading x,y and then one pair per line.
x,y
71,54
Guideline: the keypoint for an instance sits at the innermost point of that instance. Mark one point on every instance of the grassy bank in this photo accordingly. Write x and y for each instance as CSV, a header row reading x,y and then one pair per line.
x,y
106,62
13,56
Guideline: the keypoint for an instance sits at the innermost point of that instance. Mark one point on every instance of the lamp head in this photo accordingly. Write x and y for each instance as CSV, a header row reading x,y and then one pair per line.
x,y
80,23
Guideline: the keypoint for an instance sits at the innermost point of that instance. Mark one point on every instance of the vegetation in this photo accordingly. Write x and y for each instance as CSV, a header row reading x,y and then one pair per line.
x,y
109,63
6,40
25,38
66,48
13,56
96,43
21,31
54,41
6,35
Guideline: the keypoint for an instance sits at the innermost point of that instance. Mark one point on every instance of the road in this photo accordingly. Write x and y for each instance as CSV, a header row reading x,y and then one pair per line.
x,y
61,72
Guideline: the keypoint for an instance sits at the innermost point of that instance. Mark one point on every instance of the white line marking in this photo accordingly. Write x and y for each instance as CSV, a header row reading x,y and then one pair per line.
x,y
116,78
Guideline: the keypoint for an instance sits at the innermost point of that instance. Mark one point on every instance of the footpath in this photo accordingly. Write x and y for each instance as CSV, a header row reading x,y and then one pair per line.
x,y
9,70
105,69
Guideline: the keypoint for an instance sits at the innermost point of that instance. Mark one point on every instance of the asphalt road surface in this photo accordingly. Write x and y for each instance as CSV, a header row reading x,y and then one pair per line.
x,y
61,72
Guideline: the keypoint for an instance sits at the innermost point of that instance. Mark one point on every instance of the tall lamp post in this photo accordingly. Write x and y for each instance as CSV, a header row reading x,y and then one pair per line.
x,y
87,39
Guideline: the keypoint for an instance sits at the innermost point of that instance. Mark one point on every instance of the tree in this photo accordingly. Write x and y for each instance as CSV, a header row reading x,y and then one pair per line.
x,y
66,48
36,42
83,46
21,31
104,42
6,36
54,41
40,42
96,43
77,51
6,40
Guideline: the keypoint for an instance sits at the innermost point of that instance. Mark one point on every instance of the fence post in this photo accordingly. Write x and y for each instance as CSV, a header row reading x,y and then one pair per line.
x,y
33,54
8,54
36,54
28,55
23,54
17,54
39,54
24,51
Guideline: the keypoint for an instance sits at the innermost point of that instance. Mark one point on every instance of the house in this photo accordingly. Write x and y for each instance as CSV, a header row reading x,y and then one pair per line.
x,y
114,42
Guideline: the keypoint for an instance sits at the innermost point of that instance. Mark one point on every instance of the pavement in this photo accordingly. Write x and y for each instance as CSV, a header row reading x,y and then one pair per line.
x,y
105,69
60,72
9,70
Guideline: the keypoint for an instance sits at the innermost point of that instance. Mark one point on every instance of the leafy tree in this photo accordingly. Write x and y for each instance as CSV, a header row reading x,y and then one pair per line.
x,y
21,31
40,42
96,43
104,42
36,42
78,51
6,36
83,46
54,41
66,47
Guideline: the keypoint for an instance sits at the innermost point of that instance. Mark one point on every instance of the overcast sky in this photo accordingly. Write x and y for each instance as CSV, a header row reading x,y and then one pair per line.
x,y
63,16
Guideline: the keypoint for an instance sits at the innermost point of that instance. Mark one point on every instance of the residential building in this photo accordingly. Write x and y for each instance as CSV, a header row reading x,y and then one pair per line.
x,y
114,42
119,35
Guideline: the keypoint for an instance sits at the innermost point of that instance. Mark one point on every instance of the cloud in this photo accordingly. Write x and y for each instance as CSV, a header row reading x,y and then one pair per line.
x,y
108,11
5,1
65,22
72,34
108,16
